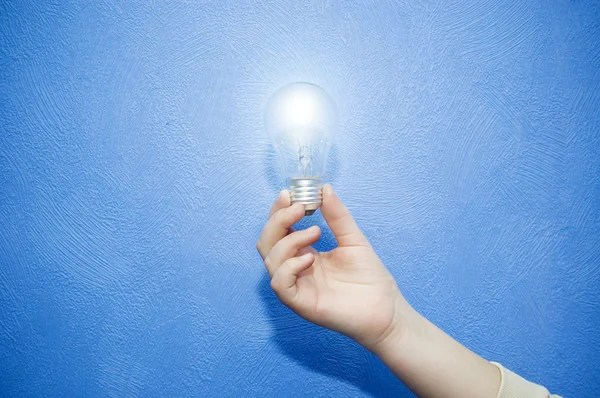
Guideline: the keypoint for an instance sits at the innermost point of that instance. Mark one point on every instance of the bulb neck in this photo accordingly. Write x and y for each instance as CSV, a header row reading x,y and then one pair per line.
x,y
308,191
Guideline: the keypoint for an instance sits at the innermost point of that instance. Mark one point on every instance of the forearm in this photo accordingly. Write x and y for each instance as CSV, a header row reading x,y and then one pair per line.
x,y
433,364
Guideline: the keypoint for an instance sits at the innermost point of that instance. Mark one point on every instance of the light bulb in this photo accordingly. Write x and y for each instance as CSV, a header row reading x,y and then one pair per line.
x,y
301,120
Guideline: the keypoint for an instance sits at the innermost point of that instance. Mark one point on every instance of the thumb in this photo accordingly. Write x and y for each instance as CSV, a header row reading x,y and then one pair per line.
x,y
340,220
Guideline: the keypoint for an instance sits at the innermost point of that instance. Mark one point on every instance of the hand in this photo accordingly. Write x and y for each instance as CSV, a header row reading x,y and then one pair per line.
x,y
347,289
350,291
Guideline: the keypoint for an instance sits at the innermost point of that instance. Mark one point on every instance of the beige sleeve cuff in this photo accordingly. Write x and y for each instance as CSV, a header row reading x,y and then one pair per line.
x,y
514,386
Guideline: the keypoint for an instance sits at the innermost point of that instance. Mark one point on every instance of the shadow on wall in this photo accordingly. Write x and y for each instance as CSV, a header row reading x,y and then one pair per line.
x,y
325,351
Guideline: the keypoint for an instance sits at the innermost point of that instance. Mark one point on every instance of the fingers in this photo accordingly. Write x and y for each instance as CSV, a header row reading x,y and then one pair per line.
x,y
278,225
340,220
289,246
284,280
282,201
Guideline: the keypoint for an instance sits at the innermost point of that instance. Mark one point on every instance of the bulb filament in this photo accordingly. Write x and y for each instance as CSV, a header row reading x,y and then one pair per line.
x,y
304,157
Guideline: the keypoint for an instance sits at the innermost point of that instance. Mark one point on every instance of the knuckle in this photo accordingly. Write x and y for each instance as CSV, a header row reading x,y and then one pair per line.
x,y
267,262
260,246
275,285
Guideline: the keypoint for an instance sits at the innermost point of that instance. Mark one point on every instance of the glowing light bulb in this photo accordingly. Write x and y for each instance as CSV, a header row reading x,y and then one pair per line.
x,y
301,120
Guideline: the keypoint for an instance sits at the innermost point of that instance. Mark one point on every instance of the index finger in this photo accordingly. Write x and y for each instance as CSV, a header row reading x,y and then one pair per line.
x,y
283,200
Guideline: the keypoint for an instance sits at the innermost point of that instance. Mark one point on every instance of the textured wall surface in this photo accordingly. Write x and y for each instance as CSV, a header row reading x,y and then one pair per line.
x,y
135,176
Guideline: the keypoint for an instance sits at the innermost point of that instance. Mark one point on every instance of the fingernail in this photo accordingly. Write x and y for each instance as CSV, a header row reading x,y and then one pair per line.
x,y
297,207
327,189
283,194
305,256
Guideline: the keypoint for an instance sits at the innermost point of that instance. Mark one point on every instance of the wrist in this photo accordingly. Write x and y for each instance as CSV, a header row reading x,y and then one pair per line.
x,y
404,323
433,364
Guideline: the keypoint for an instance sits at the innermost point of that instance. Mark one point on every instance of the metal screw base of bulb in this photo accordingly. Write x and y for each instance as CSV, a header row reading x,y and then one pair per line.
x,y
308,191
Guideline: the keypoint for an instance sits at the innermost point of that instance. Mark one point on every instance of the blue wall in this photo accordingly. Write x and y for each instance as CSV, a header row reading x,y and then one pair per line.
x,y
135,177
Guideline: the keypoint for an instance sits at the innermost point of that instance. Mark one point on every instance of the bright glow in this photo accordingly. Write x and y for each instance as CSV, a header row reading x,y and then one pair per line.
x,y
301,119
299,108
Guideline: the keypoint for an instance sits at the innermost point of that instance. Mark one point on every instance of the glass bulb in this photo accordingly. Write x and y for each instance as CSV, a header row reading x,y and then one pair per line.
x,y
301,120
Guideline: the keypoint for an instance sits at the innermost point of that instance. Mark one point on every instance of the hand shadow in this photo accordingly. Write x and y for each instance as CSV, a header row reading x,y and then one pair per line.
x,y
322,350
